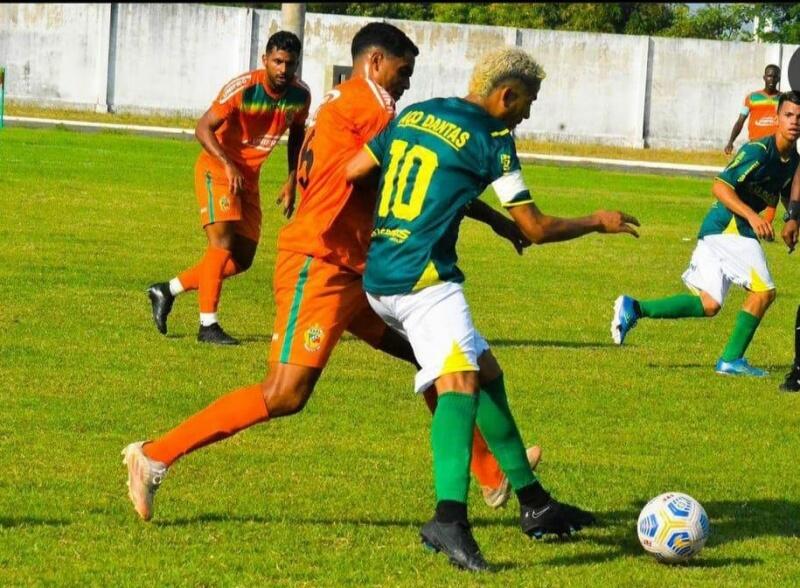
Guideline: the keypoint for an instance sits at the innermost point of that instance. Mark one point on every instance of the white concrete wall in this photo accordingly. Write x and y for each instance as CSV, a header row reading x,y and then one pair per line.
x,y
55,54
174,58
698,89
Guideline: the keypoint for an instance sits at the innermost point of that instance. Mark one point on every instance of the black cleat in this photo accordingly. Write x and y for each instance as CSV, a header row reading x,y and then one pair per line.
x,y
792,381
215,334
455,540
554,517
161,299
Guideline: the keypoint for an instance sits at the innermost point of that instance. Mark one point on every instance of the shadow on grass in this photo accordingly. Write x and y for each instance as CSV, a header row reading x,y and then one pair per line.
x,y
547,343
225,518
14,522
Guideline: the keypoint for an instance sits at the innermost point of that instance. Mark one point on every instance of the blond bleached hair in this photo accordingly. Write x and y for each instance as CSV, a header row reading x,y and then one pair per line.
x,y
508,63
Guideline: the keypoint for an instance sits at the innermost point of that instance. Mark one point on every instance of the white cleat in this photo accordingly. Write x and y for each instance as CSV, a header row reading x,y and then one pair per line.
x,y
497,497
144,478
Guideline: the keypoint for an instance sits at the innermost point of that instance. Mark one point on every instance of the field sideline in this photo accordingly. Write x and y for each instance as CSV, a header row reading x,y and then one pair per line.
x,y
336,495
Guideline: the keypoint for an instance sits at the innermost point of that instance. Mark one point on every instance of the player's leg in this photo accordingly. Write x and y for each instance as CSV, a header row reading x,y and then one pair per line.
x,y
703,275
792,381
744,263
369,327
284,391
539,513
221,236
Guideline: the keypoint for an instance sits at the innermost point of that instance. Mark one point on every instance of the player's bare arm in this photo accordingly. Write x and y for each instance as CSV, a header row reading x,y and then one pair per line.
x,y
500,224
287,195
728,197
206,127
737,128
790,229
542,228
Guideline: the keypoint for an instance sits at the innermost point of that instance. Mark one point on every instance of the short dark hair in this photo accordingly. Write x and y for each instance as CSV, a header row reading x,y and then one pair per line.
x,y
385,36
284,41
792,97
772,66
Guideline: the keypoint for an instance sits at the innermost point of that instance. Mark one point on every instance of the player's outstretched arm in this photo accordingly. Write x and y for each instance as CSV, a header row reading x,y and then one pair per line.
x,y
542,228
360,167
206,127
737,128
500,224
728,197
287,195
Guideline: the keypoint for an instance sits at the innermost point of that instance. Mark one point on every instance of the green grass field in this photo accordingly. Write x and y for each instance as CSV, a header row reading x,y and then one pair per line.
x,y
337,494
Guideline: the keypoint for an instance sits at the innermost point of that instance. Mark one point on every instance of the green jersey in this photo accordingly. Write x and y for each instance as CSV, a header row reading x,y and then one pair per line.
x,y
760,178
436,157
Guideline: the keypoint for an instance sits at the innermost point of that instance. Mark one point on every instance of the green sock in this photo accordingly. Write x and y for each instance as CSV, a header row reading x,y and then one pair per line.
x,y
500,431
451,438
743,331
672,307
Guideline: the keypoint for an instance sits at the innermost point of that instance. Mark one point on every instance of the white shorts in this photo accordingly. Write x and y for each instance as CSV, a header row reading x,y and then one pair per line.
x,y
438,324
721,260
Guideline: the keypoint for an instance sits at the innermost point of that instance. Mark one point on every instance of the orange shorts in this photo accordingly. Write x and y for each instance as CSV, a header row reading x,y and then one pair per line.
x,y
316,302
218,204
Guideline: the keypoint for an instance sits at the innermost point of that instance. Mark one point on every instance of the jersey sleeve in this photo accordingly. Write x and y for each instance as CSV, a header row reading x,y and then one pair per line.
x,y
229,99
505,171
379,145
747,160
746,108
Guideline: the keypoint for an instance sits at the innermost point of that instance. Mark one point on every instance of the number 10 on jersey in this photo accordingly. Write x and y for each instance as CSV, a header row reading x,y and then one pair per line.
x,y
395,183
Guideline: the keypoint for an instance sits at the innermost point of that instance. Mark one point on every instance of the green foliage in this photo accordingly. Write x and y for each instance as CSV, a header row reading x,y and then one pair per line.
x,y
778,22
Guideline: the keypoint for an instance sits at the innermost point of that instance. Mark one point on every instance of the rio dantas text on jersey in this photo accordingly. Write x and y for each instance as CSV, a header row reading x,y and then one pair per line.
x,y
450,133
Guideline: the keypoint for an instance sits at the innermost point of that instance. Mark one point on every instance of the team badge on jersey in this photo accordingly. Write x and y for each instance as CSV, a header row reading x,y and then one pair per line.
x,y
312,338
224,203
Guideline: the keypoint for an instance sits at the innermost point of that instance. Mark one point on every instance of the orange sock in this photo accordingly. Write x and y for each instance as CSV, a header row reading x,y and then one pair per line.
x,y
227,416
211,277
484,466
190,278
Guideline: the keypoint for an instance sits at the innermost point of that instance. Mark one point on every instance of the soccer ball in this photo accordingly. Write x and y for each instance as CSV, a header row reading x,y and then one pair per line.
x,y
673,527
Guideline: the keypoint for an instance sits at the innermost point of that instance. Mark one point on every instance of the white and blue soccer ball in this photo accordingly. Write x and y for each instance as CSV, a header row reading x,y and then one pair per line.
x,y
673,527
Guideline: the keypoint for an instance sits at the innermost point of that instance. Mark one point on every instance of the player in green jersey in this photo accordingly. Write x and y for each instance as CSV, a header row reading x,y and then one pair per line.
x,y
436,158
728,249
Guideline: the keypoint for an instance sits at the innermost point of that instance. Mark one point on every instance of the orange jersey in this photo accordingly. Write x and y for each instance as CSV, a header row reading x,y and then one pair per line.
x,y
255,118
763,111
334,220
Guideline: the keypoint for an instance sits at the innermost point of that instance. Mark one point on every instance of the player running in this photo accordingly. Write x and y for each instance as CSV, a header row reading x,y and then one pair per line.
x,y
728,251
317,282
238,132
435,160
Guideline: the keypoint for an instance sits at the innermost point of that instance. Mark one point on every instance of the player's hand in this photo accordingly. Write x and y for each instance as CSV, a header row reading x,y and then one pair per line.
x,y
728,148
508,229
761,227
789,234
287,196
614,221
235,179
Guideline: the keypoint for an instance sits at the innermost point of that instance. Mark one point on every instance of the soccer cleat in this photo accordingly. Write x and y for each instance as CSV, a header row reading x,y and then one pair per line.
x,y
497,497
624,318
215,334
554,517
739,367
455,540
144,478
161,300
792,381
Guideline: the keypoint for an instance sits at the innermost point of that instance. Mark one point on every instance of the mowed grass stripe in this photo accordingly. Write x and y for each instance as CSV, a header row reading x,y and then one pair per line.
x,y
336,495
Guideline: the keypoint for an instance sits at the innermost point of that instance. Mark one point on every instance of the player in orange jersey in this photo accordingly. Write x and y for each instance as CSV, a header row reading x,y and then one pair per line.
x,y
761,107
317,280
238,133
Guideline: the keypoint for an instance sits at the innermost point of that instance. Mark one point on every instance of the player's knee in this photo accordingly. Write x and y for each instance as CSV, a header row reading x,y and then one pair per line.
x,y
284,400
711,307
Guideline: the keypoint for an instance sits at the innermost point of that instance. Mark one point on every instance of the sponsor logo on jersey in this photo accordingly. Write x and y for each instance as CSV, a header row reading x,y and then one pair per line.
x,y
312,339
451,133
233,87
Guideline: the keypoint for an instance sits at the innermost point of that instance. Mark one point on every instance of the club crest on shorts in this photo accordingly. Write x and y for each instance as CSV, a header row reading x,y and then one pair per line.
x,y
224,203
312,339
